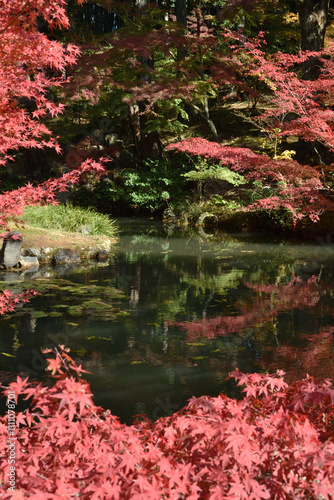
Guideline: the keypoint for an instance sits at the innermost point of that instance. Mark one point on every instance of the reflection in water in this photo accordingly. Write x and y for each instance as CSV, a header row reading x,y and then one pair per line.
x,y
264,307
187,309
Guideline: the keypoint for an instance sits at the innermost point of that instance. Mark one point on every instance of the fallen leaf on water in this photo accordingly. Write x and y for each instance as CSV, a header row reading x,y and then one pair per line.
x,y
195,343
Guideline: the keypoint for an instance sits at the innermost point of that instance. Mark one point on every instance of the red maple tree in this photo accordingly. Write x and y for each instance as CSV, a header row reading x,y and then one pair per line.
x,y
292,108
31,64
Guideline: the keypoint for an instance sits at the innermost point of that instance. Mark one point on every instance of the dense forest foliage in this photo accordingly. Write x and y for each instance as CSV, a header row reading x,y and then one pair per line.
x,y
207,111
217,110
232,74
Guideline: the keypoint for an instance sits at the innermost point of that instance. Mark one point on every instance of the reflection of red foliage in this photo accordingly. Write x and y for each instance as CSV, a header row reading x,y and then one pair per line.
x,y
275,443
296,294
317,357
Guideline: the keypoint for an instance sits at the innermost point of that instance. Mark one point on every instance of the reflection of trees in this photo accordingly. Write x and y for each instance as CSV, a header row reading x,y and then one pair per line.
x,y
186,277
196,286
270,301
244,302
199,290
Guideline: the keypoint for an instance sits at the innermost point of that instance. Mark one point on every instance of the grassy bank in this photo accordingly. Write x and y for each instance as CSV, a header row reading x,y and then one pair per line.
x,y
70,219
65,226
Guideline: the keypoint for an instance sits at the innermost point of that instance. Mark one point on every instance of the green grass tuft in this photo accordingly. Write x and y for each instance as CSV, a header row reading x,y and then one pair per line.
x,y
71,219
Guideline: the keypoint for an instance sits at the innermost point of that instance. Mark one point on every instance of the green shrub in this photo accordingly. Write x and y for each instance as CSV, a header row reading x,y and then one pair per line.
x,y
142,188
149,187
205,170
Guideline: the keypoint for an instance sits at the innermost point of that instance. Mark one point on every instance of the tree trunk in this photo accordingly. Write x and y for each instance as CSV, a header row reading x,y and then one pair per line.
x,y
148,145
206,117
181,11
313,16
181,18
135,126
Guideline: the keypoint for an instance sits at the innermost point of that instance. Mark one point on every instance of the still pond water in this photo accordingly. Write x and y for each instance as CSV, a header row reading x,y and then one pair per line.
x,y
172,313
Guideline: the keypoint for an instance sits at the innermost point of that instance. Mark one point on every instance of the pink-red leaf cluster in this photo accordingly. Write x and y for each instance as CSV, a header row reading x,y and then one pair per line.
x,y
275,443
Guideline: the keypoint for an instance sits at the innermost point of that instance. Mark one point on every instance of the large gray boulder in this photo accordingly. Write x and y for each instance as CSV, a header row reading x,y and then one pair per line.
x,y
64,256
11,249
28,262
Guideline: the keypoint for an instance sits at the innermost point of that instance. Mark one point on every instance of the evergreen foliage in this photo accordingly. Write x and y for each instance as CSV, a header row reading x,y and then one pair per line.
x,y
206,171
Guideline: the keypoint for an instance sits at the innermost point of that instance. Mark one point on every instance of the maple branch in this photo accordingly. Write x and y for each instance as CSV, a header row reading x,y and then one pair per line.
x,y
15,19
319,156
206,118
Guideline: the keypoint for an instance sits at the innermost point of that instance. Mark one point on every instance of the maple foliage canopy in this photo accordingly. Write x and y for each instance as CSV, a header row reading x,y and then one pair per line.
x,y
299,188
30,65
292,108
275,443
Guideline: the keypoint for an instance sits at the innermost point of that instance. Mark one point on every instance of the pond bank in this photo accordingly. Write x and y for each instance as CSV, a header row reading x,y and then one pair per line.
x,y
231,221
43,246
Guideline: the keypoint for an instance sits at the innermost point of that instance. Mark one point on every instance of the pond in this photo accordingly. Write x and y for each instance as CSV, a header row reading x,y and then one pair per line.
x,y
173,312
